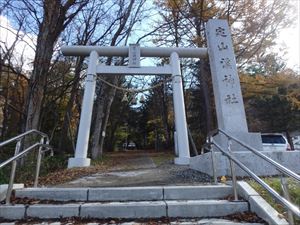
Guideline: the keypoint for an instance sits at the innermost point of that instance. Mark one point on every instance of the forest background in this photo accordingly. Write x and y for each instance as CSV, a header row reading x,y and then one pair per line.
x,y
41,89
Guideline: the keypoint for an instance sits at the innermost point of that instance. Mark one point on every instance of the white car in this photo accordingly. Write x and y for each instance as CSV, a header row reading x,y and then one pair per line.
x,y
275,142
131,145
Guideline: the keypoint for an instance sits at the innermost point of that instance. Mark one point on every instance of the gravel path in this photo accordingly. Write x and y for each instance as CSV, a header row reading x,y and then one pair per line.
x,y
141,171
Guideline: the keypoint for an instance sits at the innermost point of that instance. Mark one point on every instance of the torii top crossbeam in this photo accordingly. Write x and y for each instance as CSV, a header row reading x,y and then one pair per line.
x,y
144,51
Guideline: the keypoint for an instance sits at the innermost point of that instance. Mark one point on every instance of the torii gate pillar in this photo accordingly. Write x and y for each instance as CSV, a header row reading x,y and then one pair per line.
x,y
80,159
179,111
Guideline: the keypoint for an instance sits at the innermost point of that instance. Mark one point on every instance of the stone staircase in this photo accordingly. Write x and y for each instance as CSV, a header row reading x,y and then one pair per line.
x,y
209,201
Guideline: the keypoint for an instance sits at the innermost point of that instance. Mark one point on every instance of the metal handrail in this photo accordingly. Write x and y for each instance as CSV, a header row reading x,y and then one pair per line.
x,y
290,206
43,143
18,156
278,166
282,200
16,138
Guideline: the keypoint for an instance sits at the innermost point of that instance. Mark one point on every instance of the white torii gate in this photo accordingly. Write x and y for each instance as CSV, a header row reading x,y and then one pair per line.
x,y
227,92
134,52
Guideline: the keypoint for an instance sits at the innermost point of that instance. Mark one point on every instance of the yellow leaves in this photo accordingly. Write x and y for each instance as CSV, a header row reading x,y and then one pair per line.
x,y
291,83
170,4
202,9
198,40
174,4
223,179
284,84
295,101
256,85
283,80
206,10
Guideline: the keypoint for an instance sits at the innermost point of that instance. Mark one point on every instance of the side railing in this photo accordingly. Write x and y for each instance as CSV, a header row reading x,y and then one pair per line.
x,y
42,145
285,201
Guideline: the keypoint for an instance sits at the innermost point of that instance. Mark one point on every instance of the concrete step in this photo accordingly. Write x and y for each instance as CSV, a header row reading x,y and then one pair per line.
x,y
210,221
126,210
128,193
3,189
147,203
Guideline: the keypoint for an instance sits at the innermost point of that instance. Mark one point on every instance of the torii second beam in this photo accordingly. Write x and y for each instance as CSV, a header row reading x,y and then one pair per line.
x,y
76,50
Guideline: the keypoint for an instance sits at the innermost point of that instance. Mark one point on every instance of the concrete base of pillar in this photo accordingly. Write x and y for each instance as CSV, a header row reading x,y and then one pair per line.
x,y
79,162
251,139
260,167
182,161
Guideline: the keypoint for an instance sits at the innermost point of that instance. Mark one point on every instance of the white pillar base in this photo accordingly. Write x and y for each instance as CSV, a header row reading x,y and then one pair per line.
x,y
79,162
182,161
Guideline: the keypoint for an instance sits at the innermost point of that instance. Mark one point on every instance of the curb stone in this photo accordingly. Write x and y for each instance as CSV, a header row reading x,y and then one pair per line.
x,y
259,206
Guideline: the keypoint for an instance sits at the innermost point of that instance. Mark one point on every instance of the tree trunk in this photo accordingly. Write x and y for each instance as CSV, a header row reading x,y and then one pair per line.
x,y
37,82
114,126
204,77
5,107
49,30
290,140
54,21
68,113
165,117
109,100
98,122
103,103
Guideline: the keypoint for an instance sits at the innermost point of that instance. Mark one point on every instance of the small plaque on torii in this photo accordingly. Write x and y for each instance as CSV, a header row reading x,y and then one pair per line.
x,y
134,55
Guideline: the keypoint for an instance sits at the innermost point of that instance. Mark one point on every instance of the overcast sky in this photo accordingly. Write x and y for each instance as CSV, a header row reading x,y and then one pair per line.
x,y
290,38
24,53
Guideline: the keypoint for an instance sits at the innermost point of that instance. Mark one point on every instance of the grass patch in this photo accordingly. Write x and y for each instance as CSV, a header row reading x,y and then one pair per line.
x,y
105,159
161,158
274,182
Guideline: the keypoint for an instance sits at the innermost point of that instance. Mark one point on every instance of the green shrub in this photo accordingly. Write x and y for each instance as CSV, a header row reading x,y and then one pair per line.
x,y
274,182
4,175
